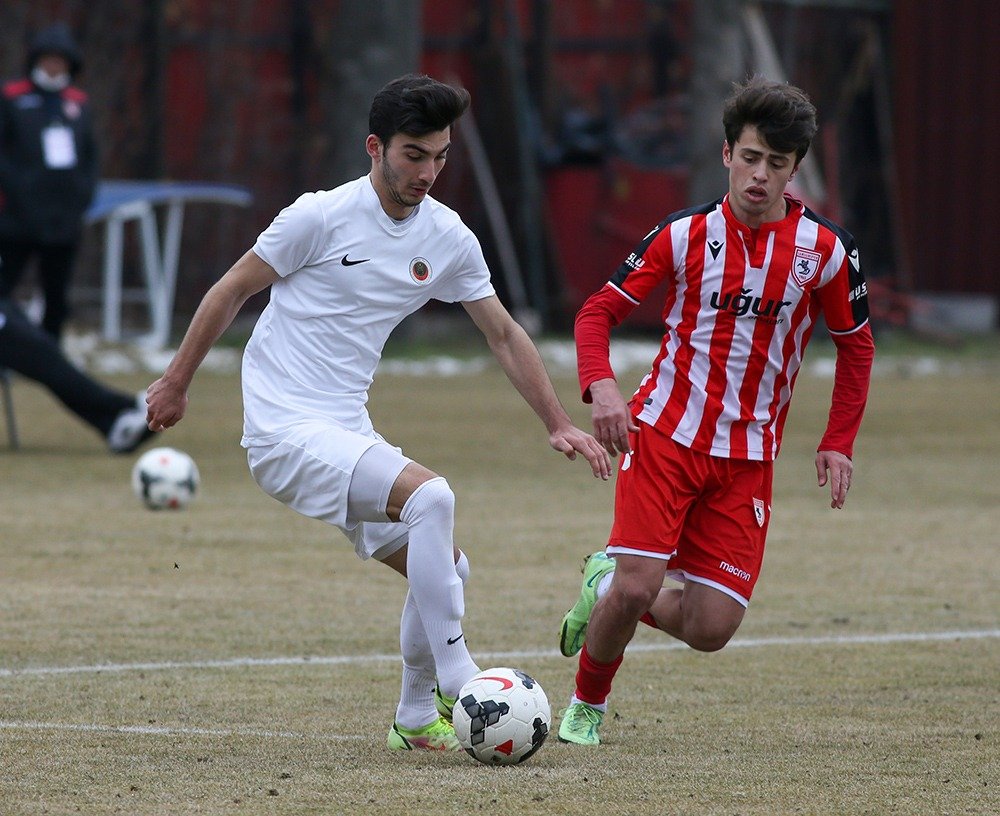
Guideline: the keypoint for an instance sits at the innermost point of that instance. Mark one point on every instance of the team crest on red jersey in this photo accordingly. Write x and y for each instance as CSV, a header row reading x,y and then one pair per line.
x,y
805,265
420,270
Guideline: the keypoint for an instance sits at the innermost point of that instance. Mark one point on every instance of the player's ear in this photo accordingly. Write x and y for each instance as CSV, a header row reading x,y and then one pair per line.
x,y
373,146
727,155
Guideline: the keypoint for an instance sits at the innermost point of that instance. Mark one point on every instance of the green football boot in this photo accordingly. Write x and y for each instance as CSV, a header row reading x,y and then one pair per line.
x,y
580,723
444,704
574,623
436,736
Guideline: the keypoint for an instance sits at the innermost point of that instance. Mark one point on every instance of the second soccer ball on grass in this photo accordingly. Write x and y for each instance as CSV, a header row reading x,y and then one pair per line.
x,y
165,479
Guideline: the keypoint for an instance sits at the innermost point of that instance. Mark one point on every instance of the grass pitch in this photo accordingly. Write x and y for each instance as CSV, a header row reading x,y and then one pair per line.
x,y
235,658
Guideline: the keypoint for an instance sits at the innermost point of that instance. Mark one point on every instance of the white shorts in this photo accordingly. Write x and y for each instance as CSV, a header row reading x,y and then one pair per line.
x,y
310,470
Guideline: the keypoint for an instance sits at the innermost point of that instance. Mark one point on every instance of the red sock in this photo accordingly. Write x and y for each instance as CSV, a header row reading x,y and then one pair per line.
x,y
649,620
593,679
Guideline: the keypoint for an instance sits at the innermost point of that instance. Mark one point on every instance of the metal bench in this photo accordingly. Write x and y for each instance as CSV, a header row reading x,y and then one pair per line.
x,y
119,202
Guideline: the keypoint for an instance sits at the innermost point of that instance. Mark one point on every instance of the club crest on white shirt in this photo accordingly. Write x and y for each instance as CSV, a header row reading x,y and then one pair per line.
x,y
805,265
420,270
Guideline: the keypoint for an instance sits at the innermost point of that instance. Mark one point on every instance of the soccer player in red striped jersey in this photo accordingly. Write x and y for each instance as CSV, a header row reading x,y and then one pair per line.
x,y
748,277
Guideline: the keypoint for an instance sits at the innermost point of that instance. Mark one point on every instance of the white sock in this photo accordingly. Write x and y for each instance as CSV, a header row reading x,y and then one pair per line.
x,y
416,698
429,515
602,707
604,584
462,567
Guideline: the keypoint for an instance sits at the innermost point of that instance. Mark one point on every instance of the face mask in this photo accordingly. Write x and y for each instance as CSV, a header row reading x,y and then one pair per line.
x,y
49,83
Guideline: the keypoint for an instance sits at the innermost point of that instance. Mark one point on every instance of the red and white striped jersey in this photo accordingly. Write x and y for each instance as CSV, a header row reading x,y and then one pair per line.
x,y
740,307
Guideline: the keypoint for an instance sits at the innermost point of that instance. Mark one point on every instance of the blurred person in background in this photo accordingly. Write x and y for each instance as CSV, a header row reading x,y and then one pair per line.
x,y
345,267
748,277
48,171
25,348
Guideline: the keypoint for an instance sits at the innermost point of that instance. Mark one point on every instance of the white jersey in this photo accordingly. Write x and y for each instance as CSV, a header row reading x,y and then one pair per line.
x,y
349,275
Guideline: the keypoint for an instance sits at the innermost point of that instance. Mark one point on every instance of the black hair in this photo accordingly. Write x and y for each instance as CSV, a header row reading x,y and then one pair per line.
x,y
782,114
417,105
55,39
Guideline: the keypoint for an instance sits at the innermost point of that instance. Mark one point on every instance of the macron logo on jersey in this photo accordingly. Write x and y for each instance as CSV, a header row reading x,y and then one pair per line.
x,y
743,575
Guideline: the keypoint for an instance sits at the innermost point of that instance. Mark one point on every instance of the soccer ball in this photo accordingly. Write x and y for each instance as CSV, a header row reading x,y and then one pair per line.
x,y
165,478
501,716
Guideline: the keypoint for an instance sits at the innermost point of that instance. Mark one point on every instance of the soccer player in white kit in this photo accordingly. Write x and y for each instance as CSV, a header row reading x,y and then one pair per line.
x,y
345,267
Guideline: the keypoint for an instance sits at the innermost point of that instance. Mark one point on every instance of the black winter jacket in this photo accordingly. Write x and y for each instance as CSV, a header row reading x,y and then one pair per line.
x,y
41,203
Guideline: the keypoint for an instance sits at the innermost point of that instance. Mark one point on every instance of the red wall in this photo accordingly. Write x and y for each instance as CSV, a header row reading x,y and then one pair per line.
x,y
947,112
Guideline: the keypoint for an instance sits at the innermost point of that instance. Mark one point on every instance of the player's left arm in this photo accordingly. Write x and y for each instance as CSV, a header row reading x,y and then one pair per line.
x,y
844,301
523,366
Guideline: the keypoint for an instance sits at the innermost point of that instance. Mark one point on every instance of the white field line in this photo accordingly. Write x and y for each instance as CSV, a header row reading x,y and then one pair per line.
x,y
157,730
483,658
151,730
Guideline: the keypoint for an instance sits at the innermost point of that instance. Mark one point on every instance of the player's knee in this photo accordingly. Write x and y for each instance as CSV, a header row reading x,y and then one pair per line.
x,y
707,643
633,598
432,499
709,636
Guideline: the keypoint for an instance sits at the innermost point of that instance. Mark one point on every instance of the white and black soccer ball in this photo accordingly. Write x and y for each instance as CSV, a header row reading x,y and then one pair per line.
x,y
165,478
502,716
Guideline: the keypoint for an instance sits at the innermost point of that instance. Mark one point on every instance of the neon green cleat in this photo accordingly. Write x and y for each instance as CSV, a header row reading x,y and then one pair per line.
x,y
574,624
580,723
444,704
437,736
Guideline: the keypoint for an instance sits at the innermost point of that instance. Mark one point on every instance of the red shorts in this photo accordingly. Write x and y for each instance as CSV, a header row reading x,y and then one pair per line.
x,y
704,514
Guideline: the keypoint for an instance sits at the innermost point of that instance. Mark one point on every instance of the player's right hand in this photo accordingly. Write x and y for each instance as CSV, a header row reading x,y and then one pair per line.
x,y
165,405
613,422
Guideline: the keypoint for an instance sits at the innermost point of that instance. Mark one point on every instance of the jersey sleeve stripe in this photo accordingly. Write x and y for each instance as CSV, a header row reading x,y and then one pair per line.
x,y
846,332
615,287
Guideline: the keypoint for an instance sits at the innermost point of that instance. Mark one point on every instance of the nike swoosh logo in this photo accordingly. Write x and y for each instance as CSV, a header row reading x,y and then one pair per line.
x,y
592,578
453,641
503,681
347,262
